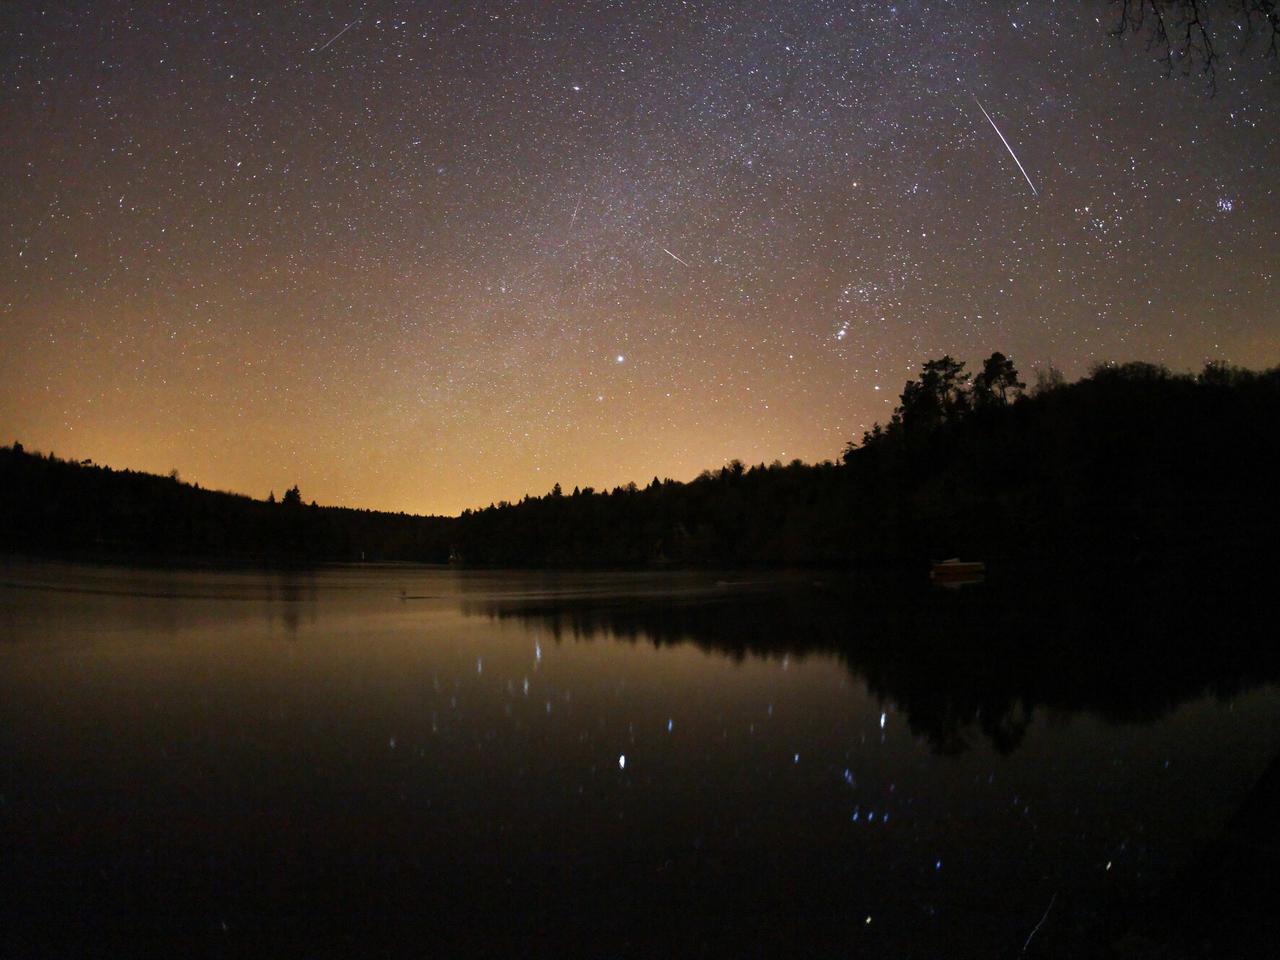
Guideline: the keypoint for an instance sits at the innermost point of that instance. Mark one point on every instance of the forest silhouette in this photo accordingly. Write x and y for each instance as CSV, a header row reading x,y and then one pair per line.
x,y
1132,463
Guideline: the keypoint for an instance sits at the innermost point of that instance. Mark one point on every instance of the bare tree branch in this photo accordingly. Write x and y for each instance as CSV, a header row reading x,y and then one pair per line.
x,y
1183,31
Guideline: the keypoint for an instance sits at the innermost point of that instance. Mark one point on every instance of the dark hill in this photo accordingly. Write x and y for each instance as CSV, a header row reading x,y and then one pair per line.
x,y
58,507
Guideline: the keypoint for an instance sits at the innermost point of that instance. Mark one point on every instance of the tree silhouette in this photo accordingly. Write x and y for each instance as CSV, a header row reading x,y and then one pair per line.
x,y
998,382
940,395
292,497
1048,379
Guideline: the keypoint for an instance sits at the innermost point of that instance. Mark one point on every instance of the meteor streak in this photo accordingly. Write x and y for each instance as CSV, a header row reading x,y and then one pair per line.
x,y
337,35
1007,147
674,257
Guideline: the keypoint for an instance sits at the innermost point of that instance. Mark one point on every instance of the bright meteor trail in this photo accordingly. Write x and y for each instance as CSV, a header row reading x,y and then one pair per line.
x,y
1006,146
412,293
334,38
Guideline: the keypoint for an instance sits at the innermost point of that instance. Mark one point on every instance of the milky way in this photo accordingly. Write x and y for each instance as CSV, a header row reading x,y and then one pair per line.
x,y
423,258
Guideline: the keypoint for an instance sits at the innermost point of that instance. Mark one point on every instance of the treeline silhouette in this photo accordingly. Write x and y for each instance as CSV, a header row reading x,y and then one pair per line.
x,y
1131,462
61,507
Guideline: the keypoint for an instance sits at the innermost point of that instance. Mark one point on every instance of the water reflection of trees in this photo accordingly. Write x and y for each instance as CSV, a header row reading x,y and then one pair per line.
x,y
1128,646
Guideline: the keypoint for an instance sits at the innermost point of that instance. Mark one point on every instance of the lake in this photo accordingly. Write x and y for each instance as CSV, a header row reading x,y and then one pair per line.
x,y
435,762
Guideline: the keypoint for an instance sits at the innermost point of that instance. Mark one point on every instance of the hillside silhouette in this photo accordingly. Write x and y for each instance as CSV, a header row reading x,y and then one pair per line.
x,y
1131,463
56,507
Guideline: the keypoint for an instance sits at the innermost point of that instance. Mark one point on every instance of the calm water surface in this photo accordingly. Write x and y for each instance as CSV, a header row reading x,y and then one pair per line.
x,y
613,764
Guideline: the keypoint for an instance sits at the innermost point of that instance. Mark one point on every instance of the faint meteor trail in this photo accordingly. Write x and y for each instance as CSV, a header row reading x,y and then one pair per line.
x,y
674,257
338,34
1007,147
537,268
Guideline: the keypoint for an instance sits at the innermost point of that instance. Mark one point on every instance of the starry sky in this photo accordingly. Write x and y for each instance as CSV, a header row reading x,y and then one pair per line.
x,y
422,257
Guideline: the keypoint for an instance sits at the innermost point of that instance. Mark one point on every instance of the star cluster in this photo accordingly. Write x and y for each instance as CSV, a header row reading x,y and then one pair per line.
x,y
426,256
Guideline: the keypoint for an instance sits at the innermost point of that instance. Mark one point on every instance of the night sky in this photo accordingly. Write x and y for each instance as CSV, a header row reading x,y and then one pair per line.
x,y
423,257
